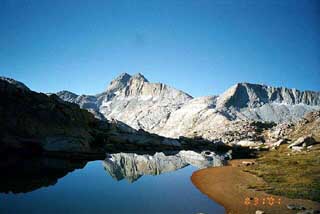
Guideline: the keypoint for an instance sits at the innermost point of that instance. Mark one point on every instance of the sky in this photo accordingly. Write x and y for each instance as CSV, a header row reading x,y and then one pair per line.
x,y
201,47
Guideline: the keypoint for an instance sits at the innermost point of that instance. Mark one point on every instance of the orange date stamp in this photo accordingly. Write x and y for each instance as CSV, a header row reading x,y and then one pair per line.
x,y
267,201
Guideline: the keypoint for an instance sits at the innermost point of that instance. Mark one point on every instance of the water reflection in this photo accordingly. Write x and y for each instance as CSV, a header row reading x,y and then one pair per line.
x,y
131,166
21,175
92,190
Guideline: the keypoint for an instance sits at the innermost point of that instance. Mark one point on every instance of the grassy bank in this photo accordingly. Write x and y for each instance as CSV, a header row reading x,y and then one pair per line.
x,y
293,175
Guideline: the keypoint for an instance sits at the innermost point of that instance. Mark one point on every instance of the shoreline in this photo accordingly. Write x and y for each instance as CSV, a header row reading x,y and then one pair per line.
x,y
228,186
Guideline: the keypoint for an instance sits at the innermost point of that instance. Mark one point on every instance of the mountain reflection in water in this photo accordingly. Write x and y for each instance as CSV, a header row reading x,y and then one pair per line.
x,y
21,175
131,166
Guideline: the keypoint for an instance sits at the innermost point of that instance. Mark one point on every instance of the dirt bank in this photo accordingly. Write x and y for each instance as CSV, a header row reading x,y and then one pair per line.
x,y
230,187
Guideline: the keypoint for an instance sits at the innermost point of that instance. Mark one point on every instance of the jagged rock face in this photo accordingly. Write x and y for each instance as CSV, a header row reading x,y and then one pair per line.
x,y
253,95
131,166
160,109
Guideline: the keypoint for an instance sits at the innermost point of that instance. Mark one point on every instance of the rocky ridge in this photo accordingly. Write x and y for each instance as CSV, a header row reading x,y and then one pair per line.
x,y
37,121
160,109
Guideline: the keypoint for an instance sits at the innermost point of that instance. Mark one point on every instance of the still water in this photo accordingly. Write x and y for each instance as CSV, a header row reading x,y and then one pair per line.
x,y
122,183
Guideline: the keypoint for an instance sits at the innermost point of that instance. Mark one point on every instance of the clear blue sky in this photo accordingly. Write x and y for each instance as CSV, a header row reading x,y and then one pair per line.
x,y
201,47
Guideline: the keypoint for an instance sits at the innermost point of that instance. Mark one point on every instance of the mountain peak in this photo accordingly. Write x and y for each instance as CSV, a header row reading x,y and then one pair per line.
x,y
123,75
119,82
124,80
140,77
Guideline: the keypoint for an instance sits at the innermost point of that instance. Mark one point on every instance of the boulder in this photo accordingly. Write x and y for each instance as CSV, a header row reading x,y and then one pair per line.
x,y
247,163
249,143
309,147
279,142
303,141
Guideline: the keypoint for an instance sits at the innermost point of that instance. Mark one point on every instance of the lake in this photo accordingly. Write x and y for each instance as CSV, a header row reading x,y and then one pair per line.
x,y
122,183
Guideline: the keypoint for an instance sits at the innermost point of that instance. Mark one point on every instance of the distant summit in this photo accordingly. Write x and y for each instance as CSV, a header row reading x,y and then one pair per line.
x,y
137,85
244,95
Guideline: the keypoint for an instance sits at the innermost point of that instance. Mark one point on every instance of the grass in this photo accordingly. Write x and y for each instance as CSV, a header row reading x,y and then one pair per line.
x,y
295,176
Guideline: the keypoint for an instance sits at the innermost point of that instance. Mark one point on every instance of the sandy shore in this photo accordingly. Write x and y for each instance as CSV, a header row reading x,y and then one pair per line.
x,y
228,186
